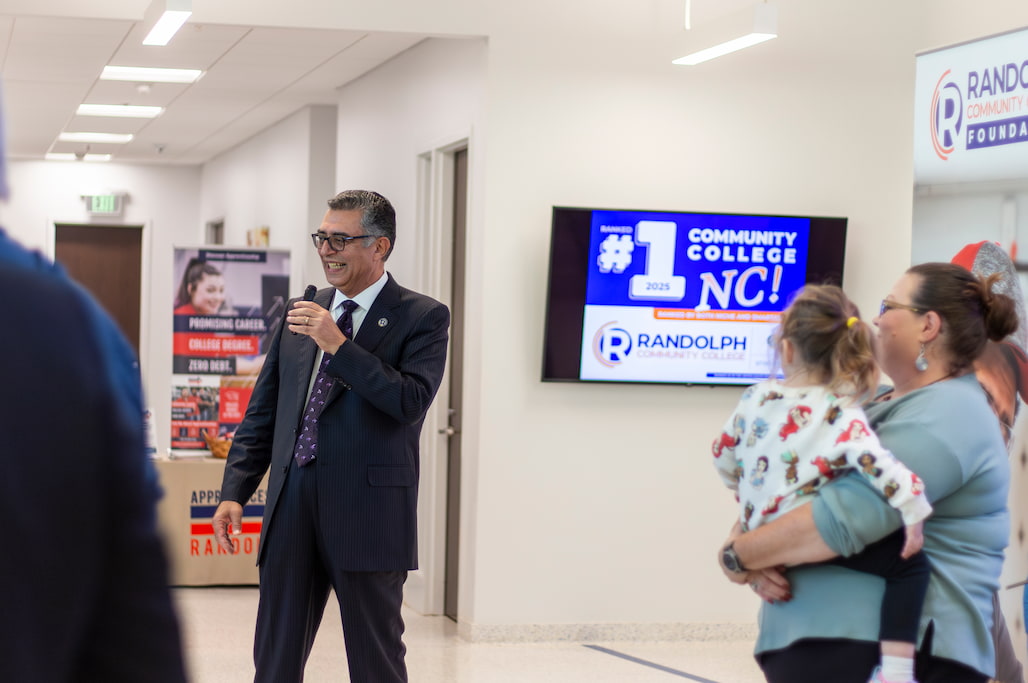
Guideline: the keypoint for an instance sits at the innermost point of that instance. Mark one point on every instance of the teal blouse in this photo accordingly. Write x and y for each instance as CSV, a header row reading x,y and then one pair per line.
x,y
946,433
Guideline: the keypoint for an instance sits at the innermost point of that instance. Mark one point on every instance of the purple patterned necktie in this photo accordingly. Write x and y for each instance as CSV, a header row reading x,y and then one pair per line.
x,y
307,441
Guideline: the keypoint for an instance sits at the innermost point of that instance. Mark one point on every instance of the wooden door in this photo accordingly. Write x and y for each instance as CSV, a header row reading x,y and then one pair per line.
x,y
107,261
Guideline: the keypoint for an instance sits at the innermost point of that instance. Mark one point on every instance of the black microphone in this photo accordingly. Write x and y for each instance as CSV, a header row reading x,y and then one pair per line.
x,y
308,295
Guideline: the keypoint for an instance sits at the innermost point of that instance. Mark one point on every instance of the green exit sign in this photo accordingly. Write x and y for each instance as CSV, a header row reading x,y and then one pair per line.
x,y
103,204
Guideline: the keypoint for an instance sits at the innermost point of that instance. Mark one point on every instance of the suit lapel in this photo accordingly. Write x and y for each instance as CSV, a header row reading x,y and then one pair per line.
x,y
380,318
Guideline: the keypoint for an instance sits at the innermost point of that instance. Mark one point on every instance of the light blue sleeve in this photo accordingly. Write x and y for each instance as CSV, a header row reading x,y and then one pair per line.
x,y
925,444
849,514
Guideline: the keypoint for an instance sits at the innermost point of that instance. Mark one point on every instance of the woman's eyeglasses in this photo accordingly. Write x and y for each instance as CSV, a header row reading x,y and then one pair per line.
x,y
889,305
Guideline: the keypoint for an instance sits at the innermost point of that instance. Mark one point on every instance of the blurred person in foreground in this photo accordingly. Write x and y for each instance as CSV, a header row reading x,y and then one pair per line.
x,y
336,416
84,593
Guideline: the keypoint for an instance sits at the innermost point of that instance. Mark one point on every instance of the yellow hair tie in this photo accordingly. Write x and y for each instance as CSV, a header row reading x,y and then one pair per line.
x,y
851,321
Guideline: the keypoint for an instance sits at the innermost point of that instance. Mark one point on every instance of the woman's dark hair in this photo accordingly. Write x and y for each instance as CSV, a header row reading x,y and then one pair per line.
x,y
833,342
195,271
971,312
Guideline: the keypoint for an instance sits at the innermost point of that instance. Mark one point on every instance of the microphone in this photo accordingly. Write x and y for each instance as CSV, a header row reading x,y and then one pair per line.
x,y
308,295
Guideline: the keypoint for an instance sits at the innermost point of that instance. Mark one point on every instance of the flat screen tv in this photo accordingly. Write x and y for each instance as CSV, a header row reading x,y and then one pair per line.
x,y
677,298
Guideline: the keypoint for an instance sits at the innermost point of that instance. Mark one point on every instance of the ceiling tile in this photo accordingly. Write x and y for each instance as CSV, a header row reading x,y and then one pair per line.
x,y
254,78
61,50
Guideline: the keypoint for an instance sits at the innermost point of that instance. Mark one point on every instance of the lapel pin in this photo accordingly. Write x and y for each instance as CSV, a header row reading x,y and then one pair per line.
x,y
382,322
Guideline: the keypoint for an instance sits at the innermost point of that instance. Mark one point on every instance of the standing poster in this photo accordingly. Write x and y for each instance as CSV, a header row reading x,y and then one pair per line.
x,y
971,208
227,303
971,111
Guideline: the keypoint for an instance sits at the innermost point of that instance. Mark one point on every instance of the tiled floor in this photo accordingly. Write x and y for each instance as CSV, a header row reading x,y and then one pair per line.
x,y
218,624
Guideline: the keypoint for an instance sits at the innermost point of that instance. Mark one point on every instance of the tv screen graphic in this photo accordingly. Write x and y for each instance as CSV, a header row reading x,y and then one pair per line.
x,y
674,297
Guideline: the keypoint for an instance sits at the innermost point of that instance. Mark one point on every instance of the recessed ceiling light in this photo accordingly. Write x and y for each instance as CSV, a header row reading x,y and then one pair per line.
x,y
102,138
176,12
149,75
119,110
55,156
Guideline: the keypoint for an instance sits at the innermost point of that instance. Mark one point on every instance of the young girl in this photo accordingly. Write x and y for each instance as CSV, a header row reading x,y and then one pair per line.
x,y
788,438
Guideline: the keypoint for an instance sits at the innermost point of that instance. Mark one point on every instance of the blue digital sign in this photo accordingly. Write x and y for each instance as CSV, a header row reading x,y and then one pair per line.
x,y
700,262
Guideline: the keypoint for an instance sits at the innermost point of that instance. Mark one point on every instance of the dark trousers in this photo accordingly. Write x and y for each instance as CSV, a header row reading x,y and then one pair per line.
x,y
295,577
851,661
906,583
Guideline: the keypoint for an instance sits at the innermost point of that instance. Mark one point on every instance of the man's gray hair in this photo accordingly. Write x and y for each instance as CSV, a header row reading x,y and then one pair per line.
x,y
378,217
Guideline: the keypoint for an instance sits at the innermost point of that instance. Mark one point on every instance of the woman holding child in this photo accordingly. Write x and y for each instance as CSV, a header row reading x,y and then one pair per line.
x,y
820,622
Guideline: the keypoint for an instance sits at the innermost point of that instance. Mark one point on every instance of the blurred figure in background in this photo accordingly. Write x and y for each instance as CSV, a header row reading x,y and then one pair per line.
x,y
84,593
1002,370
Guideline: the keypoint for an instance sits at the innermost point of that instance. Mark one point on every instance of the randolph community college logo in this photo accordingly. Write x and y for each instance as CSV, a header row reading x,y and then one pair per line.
x,y
611,345
947,116
989,112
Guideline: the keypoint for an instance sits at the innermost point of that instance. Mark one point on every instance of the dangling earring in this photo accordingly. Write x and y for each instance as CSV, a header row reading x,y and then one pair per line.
x,y
921,363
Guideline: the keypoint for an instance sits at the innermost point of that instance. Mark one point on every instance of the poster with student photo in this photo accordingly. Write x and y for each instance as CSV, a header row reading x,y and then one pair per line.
x,y
226,304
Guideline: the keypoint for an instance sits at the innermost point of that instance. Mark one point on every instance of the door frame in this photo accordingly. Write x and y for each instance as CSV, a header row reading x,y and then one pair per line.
x,y
425,589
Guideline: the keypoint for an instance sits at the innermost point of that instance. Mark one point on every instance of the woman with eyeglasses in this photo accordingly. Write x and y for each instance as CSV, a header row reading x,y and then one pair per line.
x,y
820,622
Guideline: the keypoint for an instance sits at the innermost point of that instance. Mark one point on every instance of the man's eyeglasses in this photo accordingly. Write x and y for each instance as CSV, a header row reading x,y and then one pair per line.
x,y
336,242
889,305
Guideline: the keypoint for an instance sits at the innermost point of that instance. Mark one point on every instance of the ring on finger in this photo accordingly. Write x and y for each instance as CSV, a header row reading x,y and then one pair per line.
x,y
754,585
307,321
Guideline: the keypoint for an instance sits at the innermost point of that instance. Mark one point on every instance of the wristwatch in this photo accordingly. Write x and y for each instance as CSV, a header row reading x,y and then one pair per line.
x,y
730,559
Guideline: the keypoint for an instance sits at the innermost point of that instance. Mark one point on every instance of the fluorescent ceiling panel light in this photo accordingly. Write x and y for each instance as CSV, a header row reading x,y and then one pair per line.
x,y
99,138
119,110
746,30
57,156
724,49
149,75
174,13
166,27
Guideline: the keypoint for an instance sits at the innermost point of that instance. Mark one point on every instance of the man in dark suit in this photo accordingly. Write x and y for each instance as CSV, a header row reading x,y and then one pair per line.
x,y
85,594
336,415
